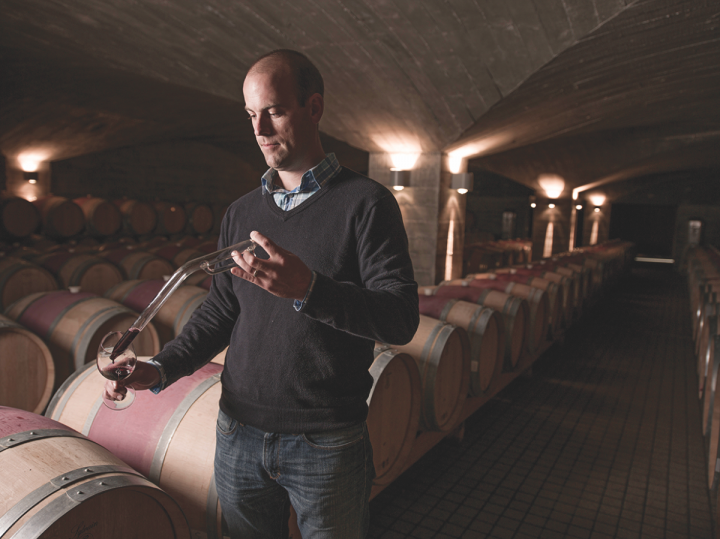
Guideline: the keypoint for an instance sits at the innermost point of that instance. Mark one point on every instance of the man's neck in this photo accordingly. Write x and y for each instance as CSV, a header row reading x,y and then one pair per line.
x,y
291,179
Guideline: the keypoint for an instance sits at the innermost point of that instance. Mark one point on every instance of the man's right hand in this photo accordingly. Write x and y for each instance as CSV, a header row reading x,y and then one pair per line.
x,y
143,377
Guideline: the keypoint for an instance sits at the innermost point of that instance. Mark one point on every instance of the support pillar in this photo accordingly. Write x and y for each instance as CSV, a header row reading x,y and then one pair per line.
x,y
433,214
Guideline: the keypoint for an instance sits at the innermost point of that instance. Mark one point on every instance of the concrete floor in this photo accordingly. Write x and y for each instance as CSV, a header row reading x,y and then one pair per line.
x,y
602,440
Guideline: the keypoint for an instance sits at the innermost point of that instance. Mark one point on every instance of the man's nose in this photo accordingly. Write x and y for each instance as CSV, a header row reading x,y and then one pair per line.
x,y
262,125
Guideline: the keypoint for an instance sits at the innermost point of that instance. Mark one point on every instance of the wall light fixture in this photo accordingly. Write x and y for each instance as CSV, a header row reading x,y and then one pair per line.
x,y
463,182
31,177
399,179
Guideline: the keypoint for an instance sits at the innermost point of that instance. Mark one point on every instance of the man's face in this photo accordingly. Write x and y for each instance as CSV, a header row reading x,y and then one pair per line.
x,y
283,129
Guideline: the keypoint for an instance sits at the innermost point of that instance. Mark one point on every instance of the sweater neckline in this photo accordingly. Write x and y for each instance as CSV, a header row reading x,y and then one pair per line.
x,y
285,215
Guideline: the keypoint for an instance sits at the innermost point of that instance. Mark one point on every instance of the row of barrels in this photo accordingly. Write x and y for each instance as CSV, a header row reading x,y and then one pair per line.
x,y
490,255
96,268
419,387
60,218
473,330
703,266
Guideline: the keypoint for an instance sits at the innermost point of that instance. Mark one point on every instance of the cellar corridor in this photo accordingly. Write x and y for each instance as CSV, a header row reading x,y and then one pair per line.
x,y
602,440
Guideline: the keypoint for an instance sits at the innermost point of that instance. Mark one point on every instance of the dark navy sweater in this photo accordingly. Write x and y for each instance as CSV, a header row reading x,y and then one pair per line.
x,y
291,371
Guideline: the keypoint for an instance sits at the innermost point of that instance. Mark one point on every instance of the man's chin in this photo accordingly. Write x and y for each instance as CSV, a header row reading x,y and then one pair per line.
x,y
274,161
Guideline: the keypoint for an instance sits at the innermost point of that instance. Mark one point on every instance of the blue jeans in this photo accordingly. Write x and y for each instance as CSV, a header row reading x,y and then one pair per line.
x,y
326,477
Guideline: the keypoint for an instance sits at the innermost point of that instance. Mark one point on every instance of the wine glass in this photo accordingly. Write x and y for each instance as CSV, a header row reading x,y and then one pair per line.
x,y
116,369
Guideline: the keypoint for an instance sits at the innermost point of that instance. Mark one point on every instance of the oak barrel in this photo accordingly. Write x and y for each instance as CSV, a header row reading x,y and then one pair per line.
x,y
102,218
177,254
18,218
393,411
58,484
20,278
172,316
171,218
91,273
711,423
442,353
137,264
556,313
209,245
139,218
515,313
61,217
537,301
485,329
168,437
708,378
73,325
200,218
27,372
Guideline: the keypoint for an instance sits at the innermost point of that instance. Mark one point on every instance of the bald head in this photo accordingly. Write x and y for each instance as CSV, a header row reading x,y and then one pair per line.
x,y
307,78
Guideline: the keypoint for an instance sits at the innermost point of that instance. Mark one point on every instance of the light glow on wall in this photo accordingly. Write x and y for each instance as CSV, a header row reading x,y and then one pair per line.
x,y
456,163
29,161
552,184
450,251
548,247
404,161
594,232
598,199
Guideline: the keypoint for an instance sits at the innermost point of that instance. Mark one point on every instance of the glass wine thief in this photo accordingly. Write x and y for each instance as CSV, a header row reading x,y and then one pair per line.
x,y
213,263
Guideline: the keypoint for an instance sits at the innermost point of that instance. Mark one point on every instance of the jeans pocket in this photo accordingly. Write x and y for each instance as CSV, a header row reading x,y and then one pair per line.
x,y
336,439
225,424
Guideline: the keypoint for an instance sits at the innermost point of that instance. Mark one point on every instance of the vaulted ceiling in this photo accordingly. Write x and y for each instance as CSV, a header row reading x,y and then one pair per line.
x,y
594,90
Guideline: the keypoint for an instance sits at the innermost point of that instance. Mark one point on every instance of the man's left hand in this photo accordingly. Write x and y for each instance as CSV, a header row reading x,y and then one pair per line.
x,y
283,274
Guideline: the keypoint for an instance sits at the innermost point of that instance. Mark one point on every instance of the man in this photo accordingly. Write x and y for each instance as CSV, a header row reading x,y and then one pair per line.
x,y
300,321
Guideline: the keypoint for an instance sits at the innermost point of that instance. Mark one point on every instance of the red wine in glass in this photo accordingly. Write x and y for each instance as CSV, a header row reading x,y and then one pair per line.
x,y
116,368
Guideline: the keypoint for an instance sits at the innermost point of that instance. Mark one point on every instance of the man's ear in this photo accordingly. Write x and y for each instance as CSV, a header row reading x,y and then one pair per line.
x,y
316,102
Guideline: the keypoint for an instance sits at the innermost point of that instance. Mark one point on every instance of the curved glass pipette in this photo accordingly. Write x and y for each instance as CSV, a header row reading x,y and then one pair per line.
x,y
213,263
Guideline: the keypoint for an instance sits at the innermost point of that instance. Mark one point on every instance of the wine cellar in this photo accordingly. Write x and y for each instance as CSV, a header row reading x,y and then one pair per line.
x,y
556,170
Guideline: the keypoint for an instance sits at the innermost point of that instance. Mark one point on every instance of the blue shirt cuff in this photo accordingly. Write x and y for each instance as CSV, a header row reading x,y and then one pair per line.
x,y
300,304
163,379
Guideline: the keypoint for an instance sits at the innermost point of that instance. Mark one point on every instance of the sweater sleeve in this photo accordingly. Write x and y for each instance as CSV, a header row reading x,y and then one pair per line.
x,y
205,335
384,307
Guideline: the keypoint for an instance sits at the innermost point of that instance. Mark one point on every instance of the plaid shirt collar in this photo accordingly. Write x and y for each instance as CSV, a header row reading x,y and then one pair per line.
x,y
312,180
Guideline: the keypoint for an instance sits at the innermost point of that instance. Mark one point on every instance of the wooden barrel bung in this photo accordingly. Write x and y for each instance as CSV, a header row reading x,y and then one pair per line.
x,y
138,264
91,273
515,313
172,316
393,411
28,371
442,352
18,218
20,278
57,483
74,324
61,218
139,218
486,331
168,437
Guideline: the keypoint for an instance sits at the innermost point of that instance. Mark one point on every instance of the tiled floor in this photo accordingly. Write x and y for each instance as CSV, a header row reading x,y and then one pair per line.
x,y
603,440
